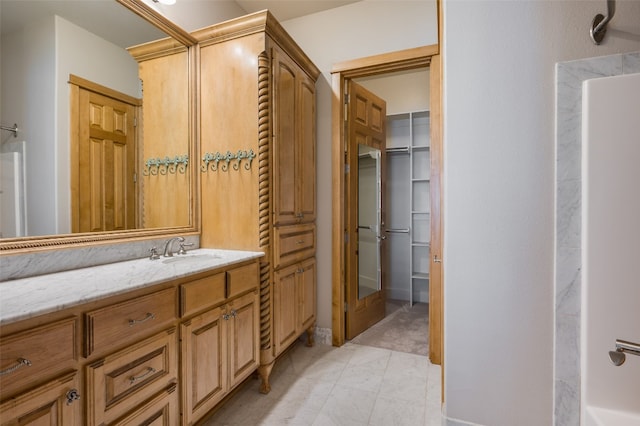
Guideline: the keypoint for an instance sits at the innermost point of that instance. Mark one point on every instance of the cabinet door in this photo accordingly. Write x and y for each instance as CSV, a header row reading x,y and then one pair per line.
x,y
54,403
307,290
306,144
204,354
284,131
285,307
244,337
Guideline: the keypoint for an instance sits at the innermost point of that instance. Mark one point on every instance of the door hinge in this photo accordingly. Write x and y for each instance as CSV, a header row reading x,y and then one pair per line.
x,y
135,121
346,106
346,169
346,237
135,177
346,306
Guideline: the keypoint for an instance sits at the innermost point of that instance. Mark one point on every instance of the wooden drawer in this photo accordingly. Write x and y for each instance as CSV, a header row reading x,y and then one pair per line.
x,y
293,243
117,383
117,324
162,409
198,295
243,279
36,354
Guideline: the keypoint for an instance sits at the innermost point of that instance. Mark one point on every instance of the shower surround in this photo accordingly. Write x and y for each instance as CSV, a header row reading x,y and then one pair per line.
x,y
568,244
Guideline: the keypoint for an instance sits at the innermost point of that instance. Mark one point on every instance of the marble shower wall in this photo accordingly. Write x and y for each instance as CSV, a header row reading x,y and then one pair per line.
x,y
568,280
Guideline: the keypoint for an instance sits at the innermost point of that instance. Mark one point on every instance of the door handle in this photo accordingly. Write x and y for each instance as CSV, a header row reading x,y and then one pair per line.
x,y
436,260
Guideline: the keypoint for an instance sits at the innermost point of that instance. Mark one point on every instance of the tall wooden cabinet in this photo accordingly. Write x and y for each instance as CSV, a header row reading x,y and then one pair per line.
x,y
258,170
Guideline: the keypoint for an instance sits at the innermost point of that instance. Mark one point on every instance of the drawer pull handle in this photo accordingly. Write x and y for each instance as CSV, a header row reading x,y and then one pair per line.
x,y
133,379
300,215
19,363
146,318
72,395
300,241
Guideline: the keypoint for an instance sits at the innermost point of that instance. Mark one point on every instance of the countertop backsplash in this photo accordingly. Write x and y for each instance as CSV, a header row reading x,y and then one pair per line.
x,y
16,266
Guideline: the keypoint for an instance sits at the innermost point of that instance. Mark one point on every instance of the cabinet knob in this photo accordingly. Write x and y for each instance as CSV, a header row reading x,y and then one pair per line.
x,y
72,395
226,317
436,260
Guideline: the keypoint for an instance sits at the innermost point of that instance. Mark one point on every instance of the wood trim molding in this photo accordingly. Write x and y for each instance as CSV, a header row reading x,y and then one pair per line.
x,y
150,14
417,57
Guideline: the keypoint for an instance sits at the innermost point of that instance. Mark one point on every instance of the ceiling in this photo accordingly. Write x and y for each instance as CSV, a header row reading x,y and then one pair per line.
x,y
97,16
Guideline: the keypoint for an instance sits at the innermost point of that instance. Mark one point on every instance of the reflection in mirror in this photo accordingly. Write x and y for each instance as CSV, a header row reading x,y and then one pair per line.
x,y
369,221
70,168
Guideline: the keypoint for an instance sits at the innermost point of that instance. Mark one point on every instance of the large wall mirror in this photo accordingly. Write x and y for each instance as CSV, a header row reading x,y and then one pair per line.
x,y
141,181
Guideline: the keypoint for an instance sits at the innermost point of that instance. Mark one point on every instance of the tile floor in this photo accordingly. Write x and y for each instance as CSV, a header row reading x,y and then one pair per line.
x,y
350,385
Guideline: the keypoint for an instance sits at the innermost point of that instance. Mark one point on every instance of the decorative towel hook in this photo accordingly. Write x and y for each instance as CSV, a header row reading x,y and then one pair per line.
x,y
599,24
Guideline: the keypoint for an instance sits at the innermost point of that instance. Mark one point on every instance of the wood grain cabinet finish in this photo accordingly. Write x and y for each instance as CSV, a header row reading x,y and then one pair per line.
x,y
37,354
220,348
129,320
134,373
256,80
161,410
118,383
56,403
294,303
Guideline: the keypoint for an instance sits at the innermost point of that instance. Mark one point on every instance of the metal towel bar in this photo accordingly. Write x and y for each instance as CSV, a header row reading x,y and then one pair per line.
x,y
623,347
397,231
13,129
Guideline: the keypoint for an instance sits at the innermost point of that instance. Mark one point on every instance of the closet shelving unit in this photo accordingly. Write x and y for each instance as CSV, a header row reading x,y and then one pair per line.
x,y
408,208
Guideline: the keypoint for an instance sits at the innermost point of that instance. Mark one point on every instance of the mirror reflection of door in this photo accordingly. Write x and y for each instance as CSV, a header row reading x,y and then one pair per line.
x,y
366,274
103,173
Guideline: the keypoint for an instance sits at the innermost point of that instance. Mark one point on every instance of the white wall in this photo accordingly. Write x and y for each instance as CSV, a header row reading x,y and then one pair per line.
x,y
35,95
366,28
499,209
82,53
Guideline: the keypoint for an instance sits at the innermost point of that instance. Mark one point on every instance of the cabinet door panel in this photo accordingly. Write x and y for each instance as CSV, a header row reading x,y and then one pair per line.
x,y
307,148
203,363
244,337
284,113
285,308
308,293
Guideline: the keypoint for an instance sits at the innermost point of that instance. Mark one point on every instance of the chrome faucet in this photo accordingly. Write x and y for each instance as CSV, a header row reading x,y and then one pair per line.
x,y
167,246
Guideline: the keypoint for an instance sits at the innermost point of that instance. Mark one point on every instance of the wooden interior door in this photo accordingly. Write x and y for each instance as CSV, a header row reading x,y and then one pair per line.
x,y
366,134
103,195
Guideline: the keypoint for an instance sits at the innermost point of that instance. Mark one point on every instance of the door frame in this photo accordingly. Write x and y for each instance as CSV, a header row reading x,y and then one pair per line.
x,y
419,57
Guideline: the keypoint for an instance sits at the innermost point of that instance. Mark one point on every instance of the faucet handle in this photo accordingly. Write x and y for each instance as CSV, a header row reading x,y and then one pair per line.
x,y
153,253
182,248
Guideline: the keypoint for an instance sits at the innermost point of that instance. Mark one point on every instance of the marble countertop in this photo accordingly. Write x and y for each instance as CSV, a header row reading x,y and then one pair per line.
x,y
28,297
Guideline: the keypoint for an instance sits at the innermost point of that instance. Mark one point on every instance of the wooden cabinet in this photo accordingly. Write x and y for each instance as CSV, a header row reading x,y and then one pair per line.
x,y
220,347
294,304
256,80
294,165
132,371
55,403
117,383
32,356
165,129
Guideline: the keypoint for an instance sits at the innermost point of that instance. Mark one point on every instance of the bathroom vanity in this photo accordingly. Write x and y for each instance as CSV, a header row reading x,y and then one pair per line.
x,y
131,342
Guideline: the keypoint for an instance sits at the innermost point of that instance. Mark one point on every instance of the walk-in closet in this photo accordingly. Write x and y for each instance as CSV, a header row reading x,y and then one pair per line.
x,y
406,227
